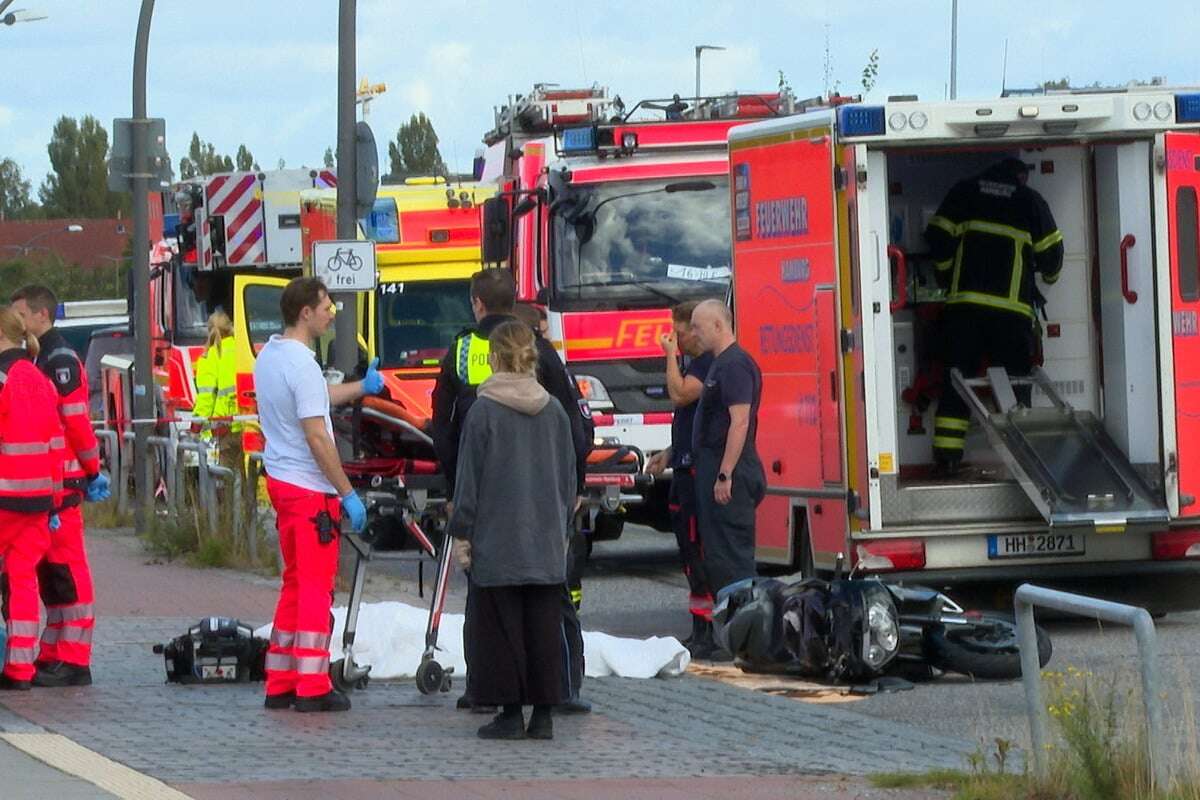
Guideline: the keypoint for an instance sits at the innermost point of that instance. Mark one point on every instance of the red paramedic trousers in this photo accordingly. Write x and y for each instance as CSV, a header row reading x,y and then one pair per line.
x,y
24,538
298,656
66,586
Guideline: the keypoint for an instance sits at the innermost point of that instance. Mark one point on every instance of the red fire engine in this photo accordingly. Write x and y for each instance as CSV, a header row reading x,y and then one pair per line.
x,y
1099,479
608,217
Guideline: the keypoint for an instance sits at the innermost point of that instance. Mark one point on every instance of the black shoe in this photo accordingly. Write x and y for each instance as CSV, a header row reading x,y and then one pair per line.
x,y
333,700
705,648
699,625
60,673
509,725
541,724
8,684
464,703
574,706
276,702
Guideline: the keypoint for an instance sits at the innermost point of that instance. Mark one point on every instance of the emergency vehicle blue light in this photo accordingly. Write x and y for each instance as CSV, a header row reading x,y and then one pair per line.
x,y
860,120
579,140
1187,108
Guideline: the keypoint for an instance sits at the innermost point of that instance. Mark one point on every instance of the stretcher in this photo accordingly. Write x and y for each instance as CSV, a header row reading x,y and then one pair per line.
x,y
406,499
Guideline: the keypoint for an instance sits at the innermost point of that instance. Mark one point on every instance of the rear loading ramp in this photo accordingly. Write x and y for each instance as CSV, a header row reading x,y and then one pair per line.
x,y
1062,458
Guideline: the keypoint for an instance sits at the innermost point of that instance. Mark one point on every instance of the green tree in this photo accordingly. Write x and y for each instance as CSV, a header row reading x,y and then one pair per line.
x,y
78,185
329,158
244,159
870,72
415,150
15,200
203,159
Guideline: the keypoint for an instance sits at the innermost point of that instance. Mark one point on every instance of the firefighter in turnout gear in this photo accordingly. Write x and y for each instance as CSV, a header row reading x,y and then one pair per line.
x,y
64,657
32,455
464,368
990,235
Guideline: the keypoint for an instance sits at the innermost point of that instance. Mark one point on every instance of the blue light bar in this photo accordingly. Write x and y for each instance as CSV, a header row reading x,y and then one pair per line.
x,y
1187,108
860,120
579,140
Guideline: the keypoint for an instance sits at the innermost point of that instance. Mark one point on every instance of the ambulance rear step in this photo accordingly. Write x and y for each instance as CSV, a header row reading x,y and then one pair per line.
x,y
1063,459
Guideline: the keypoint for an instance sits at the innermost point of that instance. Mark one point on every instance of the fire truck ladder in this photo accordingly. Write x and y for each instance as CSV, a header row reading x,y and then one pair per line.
x,y
1063,459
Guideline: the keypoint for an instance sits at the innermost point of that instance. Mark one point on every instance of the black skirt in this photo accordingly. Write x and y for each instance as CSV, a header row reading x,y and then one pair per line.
x,y
516,645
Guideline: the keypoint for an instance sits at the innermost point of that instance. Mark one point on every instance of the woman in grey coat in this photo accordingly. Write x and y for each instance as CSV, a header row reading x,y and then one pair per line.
x,y
514,498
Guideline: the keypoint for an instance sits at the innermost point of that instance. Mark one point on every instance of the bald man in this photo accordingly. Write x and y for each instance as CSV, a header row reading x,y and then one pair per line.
x,y
729,476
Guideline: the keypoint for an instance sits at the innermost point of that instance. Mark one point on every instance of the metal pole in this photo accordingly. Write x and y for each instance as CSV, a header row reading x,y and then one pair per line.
x,y
1143,630
953,49
143,396
346,322
1031,674
696,105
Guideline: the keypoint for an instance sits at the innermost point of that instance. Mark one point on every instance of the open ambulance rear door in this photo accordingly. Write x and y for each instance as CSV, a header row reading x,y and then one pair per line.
x,y
1180,152
785,293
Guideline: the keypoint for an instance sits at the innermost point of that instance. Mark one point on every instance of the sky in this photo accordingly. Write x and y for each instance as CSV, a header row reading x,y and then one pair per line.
x,y
263,72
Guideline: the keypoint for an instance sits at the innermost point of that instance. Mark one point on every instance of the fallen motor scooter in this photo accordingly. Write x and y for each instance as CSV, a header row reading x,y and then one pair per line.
x,y
855,630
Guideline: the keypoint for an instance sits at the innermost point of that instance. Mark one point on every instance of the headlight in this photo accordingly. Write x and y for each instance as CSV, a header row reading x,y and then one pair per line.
x,y
917,120
594,393
1141,111
882,623
1162,110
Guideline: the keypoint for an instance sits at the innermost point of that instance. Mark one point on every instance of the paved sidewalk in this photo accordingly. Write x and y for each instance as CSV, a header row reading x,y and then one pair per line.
x,y
667,737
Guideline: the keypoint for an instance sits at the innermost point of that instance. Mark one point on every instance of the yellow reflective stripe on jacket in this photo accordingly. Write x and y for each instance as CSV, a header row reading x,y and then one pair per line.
x,y
951,423
938,221
991,301
216,381
948,443
996,229
942,266
471,359
1048,241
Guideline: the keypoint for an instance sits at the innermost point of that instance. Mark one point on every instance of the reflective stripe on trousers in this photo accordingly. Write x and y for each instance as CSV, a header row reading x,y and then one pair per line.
x,y
72,613
70,633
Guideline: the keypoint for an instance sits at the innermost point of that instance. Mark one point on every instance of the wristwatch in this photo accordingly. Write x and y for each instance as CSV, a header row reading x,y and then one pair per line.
x,y
722,477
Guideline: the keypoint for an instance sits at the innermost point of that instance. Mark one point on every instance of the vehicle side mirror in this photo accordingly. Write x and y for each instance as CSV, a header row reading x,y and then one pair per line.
x,y
496,244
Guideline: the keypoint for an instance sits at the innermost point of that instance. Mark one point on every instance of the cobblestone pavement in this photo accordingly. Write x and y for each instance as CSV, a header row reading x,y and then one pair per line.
x,y
642,729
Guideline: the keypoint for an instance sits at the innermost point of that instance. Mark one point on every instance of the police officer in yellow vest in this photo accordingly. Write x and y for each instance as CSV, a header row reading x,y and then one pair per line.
x,y
465,367
990,235
216,390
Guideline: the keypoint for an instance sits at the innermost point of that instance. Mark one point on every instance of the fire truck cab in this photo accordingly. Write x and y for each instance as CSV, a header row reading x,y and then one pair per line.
x,y
836,297
608,217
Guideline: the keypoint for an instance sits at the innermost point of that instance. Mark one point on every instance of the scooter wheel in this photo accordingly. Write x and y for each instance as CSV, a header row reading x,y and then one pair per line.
x,y
430,676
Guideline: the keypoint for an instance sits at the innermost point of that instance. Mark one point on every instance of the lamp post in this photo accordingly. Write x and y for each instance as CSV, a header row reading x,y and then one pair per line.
x,y
700,48
953,49
24,249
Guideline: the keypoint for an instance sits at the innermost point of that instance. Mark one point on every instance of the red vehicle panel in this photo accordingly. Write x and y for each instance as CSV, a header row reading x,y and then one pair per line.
x,y
1183,225
601,335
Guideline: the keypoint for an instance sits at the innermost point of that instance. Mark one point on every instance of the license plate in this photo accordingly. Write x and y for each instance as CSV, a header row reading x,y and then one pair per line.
x,y
223,672
1035,545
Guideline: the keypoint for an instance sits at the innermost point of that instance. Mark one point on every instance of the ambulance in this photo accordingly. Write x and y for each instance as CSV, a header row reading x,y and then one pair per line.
x,y
835,296
608,215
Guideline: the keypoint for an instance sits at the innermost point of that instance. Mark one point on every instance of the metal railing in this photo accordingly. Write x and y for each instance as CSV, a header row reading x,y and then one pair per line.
x,y
1028,596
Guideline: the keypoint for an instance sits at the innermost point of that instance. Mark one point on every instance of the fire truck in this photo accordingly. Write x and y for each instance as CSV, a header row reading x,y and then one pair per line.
x,y
427,247
835,295
227,224
608,217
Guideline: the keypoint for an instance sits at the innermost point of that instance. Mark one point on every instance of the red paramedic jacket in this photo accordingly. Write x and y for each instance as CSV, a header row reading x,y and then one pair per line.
x,y
64,369
32,446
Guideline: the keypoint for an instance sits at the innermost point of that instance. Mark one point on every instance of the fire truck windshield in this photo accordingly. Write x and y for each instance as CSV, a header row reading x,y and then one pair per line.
x,y
640,244
419,319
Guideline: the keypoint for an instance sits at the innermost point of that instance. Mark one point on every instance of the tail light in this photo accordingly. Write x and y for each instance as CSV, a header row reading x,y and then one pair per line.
x,y
886,555
1174,545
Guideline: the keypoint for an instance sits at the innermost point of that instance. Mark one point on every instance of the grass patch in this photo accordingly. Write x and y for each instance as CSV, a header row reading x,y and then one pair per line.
x,y
106,515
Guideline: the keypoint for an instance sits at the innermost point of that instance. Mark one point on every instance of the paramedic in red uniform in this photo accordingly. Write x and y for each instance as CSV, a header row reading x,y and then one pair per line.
x,y
31,469
65,655
988,238
684,383
310,492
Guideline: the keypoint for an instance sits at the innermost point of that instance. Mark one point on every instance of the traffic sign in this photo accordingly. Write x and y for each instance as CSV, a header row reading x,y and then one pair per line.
x,y
346,265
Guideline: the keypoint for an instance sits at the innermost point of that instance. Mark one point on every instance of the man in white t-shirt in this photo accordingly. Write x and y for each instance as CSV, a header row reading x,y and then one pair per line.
x,y
310,493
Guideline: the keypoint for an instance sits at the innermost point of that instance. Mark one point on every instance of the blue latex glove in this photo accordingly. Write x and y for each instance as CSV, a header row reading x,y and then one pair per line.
x,y
98,488
353,508
372,382
55,522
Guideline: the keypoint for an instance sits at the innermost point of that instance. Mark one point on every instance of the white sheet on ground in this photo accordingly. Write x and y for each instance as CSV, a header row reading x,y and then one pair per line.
x,y
391,638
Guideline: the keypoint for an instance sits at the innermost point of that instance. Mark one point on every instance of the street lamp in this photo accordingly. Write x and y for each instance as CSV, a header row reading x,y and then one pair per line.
x,y
700,48
20,15
24,249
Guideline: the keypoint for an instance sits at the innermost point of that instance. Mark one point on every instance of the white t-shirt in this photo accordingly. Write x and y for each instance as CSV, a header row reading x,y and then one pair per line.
x,y
289,387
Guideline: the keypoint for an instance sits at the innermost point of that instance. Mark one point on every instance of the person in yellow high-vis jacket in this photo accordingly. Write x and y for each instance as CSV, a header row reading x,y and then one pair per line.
x,y
216,395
